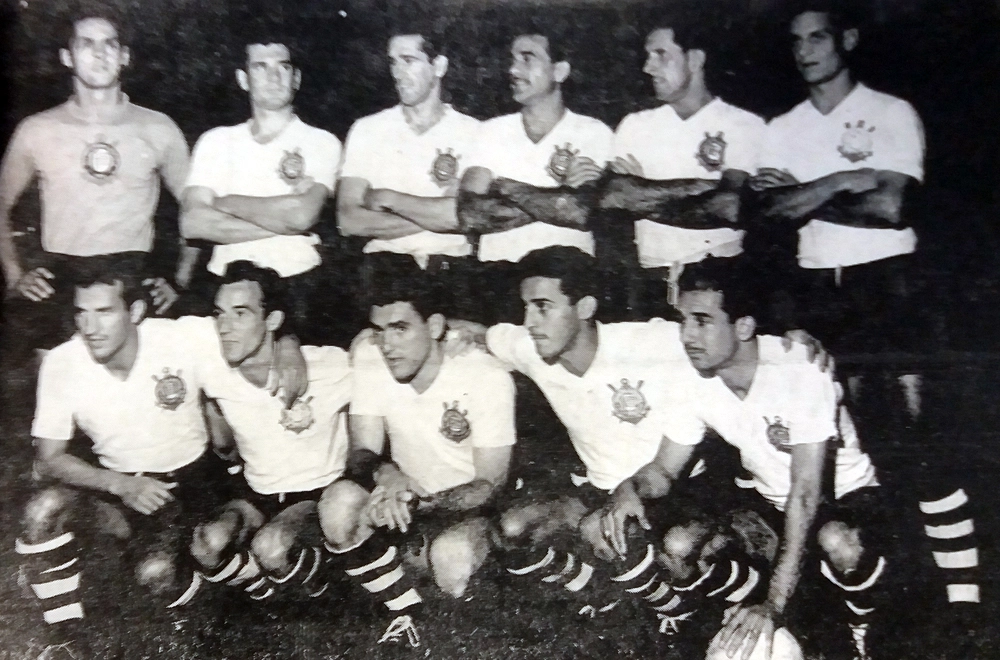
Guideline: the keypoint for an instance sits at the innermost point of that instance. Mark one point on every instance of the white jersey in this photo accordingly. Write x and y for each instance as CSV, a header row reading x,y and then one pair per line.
x,y
614,412
149,422
385,151
791,402
432,434
288,450
229,161
506,150
867,129
717,138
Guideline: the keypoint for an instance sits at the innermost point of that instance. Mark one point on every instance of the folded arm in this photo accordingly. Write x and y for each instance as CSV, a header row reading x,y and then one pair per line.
x,y
201,220
354,218
290,214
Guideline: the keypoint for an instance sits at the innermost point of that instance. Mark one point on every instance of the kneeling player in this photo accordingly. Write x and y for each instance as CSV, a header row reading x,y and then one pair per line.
x,y
781,413
449,422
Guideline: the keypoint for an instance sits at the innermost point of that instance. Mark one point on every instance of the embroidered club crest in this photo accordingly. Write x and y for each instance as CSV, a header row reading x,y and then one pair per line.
x,y
712,152
560,161
170,390
777,435
101,160
856,143
455,423
299,417
444,169
292,167
627,403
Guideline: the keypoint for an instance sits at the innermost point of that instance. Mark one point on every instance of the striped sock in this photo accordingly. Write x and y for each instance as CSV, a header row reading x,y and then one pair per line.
x,y
53,571
308,575
242,571
950,530
376,565
551,566
727,582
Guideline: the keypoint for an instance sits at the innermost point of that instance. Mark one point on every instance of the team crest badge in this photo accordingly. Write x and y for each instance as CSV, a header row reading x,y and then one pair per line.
x,y
170,390
562,157
292,167
101,160
455,423
299,417
856,142
712,152
777,435
444,169
628,403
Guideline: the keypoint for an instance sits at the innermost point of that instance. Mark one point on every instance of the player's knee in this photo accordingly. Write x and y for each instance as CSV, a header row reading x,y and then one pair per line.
x,y
156,572
209,541
841,544
514,523
271,546
340,509
45,514
681,548
455,555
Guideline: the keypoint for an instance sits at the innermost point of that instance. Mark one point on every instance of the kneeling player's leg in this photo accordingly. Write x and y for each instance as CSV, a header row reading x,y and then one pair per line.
x,y
288,549
219,547
457,553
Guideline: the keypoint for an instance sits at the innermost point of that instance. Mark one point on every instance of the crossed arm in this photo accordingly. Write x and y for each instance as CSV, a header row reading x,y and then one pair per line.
x,y
387,214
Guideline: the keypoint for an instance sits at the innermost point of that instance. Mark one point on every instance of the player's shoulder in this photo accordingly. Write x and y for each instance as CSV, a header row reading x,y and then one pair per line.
x,y
461,119
66,355
151,118
326,362
772,352
639,118
739,115
317,134
501,123
219,134
581,123
655,329
44,121
376,120
883,101
479,364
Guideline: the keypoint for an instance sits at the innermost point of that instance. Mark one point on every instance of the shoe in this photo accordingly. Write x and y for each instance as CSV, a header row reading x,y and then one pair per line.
x,y
858,633
670,625
401,626
64,651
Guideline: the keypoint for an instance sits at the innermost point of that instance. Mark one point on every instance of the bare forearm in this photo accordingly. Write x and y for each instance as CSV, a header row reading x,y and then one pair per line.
x,y
208,224
437,214
12,270
283,214
563,207
489,214
711,210
359,221
877,209
799,516
73,471
468,496
643,196
650,482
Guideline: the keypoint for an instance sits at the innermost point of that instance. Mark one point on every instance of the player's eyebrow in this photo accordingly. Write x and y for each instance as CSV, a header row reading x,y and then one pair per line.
x,y
701,316
537,301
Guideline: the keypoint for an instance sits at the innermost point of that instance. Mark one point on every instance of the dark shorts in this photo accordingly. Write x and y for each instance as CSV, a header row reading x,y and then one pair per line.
x,y
272,505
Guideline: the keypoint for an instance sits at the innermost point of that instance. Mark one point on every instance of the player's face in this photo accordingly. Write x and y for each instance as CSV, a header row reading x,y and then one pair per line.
x,y
270,78
240,320
709,336
404,337
667,66
549,317
103,320
814,45
532,72
95,54
411,69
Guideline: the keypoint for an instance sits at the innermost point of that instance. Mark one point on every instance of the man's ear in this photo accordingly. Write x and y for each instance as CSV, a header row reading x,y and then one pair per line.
x,y
440,66
274,320
66,58
241,80
586,307
297,79
436,323
137,311
850,39
126,56
696,60
562,72
746,328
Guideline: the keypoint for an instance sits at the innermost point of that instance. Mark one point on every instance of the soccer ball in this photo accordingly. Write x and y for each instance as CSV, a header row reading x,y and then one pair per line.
x,y
784,648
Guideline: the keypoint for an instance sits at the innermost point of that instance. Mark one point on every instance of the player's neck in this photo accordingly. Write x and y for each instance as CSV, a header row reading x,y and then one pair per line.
x,y
541,116
256,367
696,98
738,373
580,355
121,363
424,115
96,104
828,94
430,369
265,125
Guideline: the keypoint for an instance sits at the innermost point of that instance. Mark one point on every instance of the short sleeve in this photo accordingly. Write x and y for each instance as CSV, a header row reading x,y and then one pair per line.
x,y
54,400
355,150
209,163
198,335
502,340
904,141
680,420
493,422
370,384
745,150
326,170
599,147
813,408
769,152
174,160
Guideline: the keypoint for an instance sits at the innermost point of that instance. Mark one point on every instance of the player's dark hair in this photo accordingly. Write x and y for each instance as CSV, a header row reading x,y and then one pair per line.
x,y
732,277
274,295
84,9
397,278
553,30
840,14
431,29
264,32
691,30
573,267
110,270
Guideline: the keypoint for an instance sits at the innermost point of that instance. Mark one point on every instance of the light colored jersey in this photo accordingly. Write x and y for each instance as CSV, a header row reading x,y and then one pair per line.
x,y
506,150
229,161
99,182
288,450
717,138
386,152
614,413
791,402
867,129
432,434
149,422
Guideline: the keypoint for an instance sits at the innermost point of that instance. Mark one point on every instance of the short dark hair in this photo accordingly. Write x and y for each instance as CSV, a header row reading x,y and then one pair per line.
x,y
265,32
274,295
431,28
841,14
86,9
732,277
573,267
397,278
691,31
555,32
109,270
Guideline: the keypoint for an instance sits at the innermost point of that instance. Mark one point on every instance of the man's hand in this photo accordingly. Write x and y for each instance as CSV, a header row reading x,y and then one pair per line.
x,y
590,530
627,165
769,177
743,629
624,504
34,285
290,374
391,501
378,199
815,351
464,336
144,494
582,170
162,293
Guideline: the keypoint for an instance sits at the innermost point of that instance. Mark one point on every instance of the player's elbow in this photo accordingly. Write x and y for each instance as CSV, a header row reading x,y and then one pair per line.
x,y
349,222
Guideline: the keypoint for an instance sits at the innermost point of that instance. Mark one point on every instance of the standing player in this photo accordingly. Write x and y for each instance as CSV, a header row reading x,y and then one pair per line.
x,y
431,441
99,160
256,189
522,193
838,166
678,168
402,167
